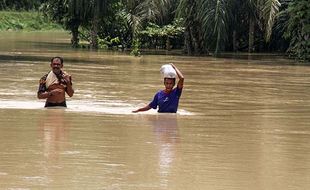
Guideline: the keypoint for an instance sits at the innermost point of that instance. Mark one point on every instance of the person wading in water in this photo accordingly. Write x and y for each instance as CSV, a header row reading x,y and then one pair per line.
x,y
168,99
55,84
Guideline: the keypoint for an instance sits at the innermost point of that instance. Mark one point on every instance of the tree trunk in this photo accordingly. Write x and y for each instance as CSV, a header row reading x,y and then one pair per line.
x,y
194,41
168,46
203,48
251,35
188,46
218,48
75,34
235,47
94,33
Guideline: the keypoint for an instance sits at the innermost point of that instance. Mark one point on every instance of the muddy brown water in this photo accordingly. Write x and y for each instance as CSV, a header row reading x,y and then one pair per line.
x,y
243,122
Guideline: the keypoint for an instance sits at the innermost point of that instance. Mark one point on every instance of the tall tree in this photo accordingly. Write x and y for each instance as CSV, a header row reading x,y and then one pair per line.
x,y
90,13
211,21
96,10
75,13
261,13
66,14
188,11
206,23
135,13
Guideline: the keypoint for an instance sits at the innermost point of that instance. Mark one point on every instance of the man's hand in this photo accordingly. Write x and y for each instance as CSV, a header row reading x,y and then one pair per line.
x,y
67,78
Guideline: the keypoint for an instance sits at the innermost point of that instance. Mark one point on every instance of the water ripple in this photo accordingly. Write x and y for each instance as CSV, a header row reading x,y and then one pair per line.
x,y
101,107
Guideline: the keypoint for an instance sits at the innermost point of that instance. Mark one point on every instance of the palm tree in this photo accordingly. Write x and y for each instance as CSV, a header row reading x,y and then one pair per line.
x,y
206,23
90,13
98,9
263,14
187,10
75,13
268,12
136,12
217,16
165,11
65,13
212,21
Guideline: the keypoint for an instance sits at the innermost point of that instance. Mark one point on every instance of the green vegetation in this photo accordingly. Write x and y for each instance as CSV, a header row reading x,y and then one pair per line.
x,y
207,27
298,29
162,37
20,4
28,21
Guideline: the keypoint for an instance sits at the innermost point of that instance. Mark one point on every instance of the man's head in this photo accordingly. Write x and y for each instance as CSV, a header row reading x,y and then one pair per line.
x,y
169,83
56,64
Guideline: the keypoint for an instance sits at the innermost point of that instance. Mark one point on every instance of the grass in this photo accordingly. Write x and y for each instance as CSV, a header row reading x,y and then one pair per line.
x,y
26,21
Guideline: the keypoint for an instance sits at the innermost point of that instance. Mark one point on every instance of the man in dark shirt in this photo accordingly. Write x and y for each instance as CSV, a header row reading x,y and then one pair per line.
x,y
55,84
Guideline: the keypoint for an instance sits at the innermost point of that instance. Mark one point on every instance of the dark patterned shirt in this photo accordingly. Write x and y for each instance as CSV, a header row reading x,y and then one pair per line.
x,y
42,86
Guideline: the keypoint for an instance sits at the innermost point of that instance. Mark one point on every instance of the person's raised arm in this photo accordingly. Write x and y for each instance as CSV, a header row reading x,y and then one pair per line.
x,y
180,76
69,88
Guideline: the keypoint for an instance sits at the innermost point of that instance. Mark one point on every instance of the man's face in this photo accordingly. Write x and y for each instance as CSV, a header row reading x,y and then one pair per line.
x,y
169,83
56,65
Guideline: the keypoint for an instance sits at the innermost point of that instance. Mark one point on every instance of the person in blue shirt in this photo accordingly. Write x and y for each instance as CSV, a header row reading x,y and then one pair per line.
x,y
167,100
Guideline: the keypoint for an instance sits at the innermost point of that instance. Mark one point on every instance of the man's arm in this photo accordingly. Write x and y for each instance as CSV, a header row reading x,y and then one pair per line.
x,y
153,105
42,91
69,88
44,95
142,109
180,76
47,94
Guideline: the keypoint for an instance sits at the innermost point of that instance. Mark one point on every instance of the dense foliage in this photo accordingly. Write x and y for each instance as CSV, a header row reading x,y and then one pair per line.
x,y
196,26
298,29
20,4
25,20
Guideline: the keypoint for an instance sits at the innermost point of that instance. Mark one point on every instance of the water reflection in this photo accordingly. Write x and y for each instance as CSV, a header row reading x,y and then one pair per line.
x,y
165,129
54,130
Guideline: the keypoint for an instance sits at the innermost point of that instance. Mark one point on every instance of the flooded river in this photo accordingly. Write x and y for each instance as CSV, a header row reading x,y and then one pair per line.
x,y
242,123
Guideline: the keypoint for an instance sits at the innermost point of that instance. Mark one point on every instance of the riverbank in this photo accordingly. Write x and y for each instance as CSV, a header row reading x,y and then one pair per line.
x,y
26,21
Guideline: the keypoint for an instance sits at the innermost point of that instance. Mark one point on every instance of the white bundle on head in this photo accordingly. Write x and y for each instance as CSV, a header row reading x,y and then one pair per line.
x,y
167,71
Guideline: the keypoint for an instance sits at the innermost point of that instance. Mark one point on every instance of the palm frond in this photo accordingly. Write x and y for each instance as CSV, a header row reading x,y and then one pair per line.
x,y
214,18
270,11
220,28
